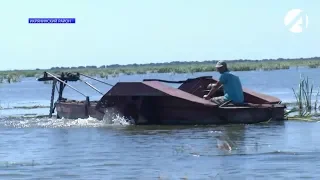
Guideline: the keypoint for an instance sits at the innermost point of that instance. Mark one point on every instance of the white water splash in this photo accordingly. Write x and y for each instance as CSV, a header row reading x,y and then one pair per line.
x,y
21,122
223,144
113,116
110,119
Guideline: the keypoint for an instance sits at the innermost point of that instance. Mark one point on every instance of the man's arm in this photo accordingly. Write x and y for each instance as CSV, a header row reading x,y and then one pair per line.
x,y
213,90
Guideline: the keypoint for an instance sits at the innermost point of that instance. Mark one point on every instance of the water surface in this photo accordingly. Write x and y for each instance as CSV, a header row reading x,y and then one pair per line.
x,y
49,148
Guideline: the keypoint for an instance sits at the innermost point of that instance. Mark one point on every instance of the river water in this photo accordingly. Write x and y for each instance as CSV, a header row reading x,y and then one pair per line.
x,y
48,148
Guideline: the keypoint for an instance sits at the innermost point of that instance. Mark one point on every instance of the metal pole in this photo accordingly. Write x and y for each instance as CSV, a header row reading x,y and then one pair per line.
x,y
91,86
52,97
66,84
96,79
86,107
61,91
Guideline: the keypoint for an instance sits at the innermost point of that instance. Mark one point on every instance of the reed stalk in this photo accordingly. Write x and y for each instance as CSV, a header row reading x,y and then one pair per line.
x,y
304,97
298,95
307,92
316,102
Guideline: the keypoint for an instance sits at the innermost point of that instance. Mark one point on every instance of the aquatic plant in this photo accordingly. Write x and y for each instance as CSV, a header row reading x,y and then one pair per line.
x,y
304,93
103,75
300,114
9,78
303,97
313,64
30,74
316,101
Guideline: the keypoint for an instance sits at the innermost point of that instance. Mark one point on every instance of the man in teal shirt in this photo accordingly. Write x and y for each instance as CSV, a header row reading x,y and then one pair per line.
x,y
231,85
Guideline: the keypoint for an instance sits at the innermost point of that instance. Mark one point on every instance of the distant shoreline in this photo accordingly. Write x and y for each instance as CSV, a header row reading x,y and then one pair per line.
x,y
171,67
176,63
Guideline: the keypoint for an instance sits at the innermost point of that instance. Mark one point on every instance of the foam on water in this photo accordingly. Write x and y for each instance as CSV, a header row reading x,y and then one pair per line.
x,y
111,118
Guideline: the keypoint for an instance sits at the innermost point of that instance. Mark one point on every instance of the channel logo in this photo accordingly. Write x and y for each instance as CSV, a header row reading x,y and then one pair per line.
x,y
52,20
296,20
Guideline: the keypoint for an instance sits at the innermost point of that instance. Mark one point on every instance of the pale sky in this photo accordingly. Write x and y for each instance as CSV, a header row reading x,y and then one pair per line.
x,y
143,31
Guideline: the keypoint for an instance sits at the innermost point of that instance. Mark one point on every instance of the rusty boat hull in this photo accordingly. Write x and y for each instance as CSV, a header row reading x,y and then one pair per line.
x,y
174,115
154,102
77,110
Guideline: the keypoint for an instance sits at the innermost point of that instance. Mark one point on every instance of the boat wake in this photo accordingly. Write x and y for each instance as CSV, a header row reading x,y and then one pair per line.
x,y
45,122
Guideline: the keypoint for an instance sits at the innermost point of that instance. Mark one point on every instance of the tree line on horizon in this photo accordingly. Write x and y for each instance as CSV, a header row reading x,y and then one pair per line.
x,y
180,63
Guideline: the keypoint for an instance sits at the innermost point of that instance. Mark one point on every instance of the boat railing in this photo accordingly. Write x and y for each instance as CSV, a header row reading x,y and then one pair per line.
x,y
63,82
179,82
63,79
96,79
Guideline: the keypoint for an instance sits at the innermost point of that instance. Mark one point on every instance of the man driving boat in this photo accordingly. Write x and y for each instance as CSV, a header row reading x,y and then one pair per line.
x,y
231,86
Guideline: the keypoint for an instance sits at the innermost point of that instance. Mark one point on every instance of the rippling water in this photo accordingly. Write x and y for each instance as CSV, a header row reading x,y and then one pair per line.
x,y
90,149
49,148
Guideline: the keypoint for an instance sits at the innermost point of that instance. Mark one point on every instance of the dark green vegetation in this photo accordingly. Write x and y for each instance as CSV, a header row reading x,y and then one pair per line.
x,y
172,67
305,106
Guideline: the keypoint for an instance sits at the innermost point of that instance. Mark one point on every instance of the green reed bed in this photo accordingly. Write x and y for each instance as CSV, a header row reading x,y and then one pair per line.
x,y
313,65
16,75
174,67
9,78
304,95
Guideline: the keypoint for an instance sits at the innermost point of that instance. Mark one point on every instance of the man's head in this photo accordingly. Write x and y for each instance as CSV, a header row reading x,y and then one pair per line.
x,y
221,66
